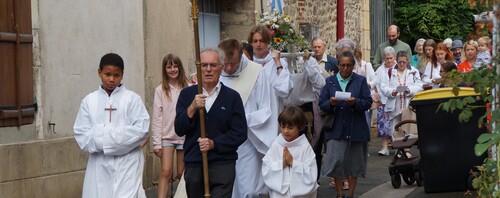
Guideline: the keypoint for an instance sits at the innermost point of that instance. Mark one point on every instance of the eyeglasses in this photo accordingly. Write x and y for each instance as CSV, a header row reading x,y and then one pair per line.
x,y
402,62
212,65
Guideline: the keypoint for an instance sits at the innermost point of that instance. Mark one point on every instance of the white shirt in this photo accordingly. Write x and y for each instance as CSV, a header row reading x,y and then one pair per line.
x,y
431,73
209,101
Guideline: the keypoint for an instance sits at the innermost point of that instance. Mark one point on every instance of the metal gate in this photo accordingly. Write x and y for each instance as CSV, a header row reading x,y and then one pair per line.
x,y
380,18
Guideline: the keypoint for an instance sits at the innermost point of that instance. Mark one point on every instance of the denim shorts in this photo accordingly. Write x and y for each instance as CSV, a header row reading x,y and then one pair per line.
x,y
177,146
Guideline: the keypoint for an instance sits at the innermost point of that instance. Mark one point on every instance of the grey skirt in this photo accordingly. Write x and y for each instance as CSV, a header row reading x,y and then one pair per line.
x,y
345,158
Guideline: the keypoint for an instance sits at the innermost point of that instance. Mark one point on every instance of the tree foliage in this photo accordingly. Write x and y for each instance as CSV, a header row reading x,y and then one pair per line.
x,y
436,19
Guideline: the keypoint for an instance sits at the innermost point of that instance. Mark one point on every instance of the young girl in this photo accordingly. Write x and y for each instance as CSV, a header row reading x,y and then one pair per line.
x,y
441,54
289,166
165,141
484,56
429,45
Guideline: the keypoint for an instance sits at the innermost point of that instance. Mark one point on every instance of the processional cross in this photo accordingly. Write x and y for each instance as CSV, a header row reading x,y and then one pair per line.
x,y
110,109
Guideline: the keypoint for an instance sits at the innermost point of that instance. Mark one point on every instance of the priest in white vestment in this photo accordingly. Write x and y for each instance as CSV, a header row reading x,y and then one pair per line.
x,y
248,79
111,124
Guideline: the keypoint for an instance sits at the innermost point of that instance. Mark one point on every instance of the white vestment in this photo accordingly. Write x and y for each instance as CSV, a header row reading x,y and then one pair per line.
x,y
281,84
296,181
262,129
112,138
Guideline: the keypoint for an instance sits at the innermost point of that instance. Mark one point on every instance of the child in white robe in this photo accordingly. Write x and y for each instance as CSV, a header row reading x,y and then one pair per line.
x,y
289,167
111,125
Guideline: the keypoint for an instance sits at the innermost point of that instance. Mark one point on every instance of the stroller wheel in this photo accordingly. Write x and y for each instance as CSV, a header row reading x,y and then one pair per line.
x,y
409,179
396,180
419,178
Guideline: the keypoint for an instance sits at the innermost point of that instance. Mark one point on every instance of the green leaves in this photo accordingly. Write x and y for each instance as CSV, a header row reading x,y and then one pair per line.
x,y
484,141
437,19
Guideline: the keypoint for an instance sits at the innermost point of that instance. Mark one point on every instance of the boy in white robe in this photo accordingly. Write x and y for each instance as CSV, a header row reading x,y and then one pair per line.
x,y
111,124
289,167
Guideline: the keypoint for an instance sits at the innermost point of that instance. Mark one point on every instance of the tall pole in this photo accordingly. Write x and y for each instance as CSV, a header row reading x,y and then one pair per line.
x,y
340,19
200,91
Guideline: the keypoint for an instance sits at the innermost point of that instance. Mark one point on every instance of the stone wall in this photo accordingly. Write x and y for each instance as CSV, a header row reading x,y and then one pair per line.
x,y
324,14
53,168
237,18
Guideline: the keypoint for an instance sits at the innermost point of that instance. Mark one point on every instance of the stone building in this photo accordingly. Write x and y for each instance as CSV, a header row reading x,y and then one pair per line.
x,y
66,40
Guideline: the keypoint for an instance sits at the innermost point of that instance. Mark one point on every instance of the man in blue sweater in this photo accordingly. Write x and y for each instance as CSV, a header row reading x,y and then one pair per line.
x,y
226,129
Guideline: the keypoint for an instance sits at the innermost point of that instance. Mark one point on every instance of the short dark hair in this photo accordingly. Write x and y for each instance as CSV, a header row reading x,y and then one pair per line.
x,y
292,116
349,54
111,59
448,66
247,47
228,46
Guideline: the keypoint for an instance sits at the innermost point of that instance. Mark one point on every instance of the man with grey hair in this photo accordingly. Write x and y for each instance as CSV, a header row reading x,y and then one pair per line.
x,y
226,129
394,42
327,63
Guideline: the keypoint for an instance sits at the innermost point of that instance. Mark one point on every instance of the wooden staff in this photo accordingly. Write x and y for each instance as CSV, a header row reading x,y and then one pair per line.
x,y
200,91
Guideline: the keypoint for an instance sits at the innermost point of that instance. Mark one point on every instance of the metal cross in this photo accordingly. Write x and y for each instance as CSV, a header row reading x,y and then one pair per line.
x,y
110,109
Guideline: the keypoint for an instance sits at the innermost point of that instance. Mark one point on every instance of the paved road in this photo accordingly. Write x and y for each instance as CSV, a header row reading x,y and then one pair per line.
x,y
377,182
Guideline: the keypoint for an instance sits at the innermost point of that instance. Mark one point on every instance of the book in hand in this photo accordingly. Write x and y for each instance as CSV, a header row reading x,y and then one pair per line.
x,y
401,88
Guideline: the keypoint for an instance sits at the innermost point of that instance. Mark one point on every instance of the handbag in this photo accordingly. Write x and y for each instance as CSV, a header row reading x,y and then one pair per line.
x,y
328,124
376,100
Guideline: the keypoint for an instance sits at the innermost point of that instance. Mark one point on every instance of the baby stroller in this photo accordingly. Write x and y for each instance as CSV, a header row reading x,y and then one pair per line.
x,y
402,164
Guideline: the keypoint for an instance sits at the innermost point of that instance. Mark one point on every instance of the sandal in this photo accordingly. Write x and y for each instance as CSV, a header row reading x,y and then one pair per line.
x,y
332,182
345,185
408,154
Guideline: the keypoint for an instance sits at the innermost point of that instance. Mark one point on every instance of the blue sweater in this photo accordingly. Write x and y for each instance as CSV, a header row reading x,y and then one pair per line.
x,y
350,121
225,124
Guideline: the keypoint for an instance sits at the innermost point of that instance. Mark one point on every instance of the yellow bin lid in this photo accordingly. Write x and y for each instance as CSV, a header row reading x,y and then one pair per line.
x,y
439,93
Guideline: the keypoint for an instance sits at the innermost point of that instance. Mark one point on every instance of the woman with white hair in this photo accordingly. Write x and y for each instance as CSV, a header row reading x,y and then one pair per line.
x,y
383,74
419,50
448,42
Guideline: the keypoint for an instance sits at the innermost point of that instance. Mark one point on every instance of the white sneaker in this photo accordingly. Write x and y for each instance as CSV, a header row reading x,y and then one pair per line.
x,y
384,152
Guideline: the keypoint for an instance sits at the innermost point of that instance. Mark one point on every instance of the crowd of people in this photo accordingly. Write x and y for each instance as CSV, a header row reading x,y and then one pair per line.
x,y
259,141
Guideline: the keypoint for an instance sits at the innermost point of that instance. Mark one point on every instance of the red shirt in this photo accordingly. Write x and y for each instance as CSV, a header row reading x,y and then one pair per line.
x,y
464,66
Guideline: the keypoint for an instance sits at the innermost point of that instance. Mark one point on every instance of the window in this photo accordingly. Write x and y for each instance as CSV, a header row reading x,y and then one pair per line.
x,y
16,64
209,23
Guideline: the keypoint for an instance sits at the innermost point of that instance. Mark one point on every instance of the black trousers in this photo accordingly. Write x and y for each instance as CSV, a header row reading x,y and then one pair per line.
x,y
221,180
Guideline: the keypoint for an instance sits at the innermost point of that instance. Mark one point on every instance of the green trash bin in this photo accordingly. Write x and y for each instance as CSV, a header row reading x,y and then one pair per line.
x,y
446,145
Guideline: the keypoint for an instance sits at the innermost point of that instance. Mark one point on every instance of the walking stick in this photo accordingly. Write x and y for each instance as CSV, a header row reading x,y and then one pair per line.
x,y
200,91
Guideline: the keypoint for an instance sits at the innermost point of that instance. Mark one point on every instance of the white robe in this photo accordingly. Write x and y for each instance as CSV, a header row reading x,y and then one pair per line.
x,y
296,181
281,84
262,130
116,160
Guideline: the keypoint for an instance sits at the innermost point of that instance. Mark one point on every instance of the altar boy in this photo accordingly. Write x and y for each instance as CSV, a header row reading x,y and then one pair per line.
x,y
289,167
110,125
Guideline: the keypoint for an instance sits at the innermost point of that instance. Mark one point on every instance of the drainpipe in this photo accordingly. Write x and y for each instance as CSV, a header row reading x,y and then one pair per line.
x,y
340,19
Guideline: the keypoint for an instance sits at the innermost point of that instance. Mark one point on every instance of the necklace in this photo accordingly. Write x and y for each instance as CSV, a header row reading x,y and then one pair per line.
x,y
401,95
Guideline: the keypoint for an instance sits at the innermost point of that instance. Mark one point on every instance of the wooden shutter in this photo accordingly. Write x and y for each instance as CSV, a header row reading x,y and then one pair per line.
x,y
16,63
